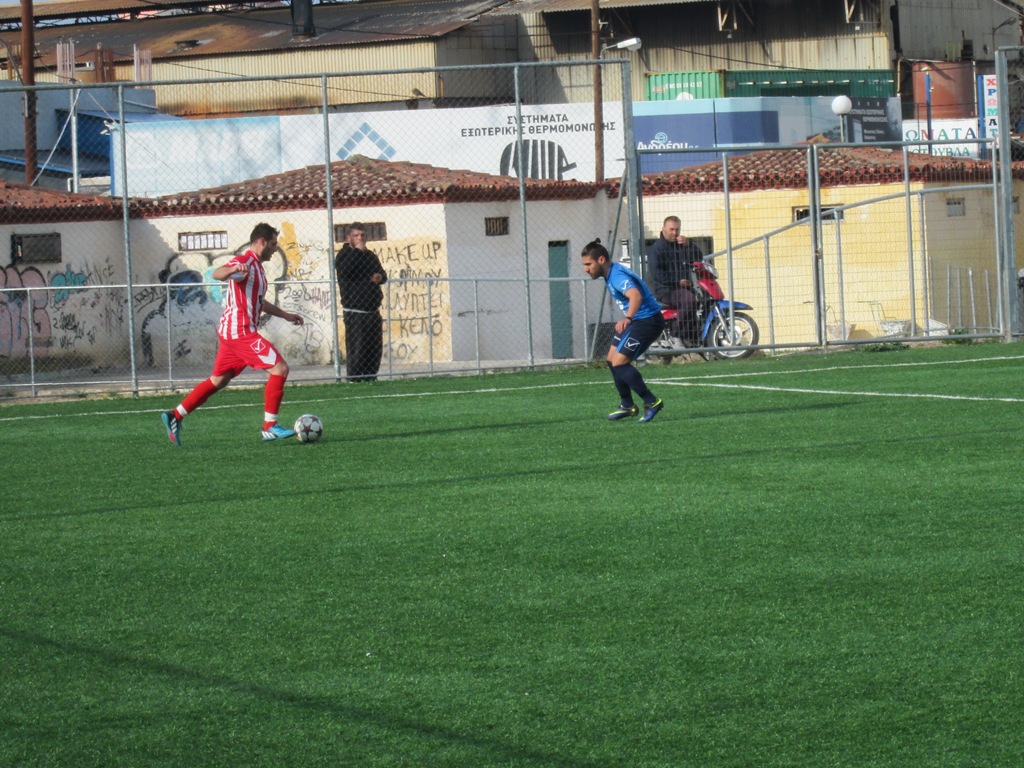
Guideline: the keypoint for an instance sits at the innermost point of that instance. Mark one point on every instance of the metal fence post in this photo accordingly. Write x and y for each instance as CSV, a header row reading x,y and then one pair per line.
x,y
908,212
126,221
170,336
521,173
31,343
632,169
329,190
476,323
1006,247
768,288
814,194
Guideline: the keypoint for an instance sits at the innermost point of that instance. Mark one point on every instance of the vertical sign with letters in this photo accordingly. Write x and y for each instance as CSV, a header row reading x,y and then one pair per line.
x,y
988,98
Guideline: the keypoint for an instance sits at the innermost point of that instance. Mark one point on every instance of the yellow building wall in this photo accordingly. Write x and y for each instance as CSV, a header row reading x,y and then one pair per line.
x,y
963,275
878,273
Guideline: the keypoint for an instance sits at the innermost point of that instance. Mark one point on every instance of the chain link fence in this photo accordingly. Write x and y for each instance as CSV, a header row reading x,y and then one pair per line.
x,y
478,210
1003,115
841,244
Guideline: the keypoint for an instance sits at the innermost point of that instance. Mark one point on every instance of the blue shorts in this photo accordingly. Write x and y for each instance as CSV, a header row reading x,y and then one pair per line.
x,y
639,335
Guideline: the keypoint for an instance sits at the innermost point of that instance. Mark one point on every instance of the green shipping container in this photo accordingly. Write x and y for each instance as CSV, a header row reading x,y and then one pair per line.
x,y
870,83
668,86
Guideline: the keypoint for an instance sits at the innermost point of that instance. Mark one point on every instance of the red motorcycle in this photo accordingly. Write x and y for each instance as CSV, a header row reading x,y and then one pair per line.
x,y
724,331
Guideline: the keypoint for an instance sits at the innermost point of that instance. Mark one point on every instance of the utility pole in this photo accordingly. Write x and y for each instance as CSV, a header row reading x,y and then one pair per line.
x,y
28,79
595,53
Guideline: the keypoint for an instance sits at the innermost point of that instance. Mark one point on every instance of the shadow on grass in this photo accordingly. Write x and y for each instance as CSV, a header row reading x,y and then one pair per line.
x,y
671,409
581,466
318,704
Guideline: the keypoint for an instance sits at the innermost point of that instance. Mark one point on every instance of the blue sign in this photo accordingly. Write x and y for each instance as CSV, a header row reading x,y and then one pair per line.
x,y
674,132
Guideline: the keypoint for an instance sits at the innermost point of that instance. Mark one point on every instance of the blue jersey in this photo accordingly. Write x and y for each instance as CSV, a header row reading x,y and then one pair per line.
x,y
620,279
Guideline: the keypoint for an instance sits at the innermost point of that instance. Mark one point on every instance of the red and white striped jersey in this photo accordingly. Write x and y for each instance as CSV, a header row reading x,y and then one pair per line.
x,y
244,299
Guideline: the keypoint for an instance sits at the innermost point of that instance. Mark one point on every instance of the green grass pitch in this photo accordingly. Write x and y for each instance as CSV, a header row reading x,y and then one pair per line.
x,y
802,561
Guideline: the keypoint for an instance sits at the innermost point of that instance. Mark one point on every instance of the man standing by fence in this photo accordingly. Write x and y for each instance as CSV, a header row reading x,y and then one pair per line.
x,y
360,277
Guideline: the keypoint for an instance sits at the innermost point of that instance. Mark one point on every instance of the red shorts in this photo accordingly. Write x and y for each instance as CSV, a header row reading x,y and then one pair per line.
x,y
235,355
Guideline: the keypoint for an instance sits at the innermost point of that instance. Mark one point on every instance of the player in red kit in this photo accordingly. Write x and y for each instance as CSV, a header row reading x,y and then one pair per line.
x,y
240,345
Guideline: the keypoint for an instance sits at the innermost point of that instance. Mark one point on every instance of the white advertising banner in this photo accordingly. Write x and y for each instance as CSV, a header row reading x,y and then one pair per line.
x,y
990,104
963,135
558,143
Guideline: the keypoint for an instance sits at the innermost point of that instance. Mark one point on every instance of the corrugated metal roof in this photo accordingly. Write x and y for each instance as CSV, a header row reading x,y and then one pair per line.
x,y
129,117
58,161
70,9
264,30
553,6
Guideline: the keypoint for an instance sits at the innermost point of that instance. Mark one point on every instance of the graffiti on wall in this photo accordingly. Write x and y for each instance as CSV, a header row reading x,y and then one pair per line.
x,y
309,262
419,309
55,312
82,309
23,312
180,314
83,318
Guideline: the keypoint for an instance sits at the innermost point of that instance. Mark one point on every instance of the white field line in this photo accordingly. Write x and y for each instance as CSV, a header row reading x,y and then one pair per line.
x,y
686,381
799,390
704,381
310,401
830,368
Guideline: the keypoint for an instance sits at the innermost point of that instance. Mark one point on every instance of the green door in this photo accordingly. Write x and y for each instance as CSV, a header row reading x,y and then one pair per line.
x,y
561,307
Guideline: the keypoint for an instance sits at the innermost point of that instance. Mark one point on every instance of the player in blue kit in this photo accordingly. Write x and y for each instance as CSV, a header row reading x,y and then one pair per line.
x,y
634,333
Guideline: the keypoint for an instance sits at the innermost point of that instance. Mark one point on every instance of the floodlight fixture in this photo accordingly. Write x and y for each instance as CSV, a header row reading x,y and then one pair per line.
x,y
629,44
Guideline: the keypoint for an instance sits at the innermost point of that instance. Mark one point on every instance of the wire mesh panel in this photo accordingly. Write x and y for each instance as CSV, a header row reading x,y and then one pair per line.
x,y
899,249
476,208
749,214
836,244
476,195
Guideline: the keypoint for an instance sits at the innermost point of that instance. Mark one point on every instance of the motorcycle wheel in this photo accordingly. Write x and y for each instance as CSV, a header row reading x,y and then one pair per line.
x,y
724,344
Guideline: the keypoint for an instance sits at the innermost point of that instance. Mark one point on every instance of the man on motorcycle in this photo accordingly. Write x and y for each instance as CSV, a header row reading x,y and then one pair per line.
x,y
671,261
634,333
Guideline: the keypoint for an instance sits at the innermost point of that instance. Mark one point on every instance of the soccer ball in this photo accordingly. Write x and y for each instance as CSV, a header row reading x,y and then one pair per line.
x,y
308,428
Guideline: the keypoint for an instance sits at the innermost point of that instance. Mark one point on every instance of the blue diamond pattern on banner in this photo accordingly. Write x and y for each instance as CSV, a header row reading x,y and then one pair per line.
x,y
366,141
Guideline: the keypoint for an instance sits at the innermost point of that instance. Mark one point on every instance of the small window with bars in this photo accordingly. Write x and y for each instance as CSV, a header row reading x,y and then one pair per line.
x,y
495,226
956,206
202,241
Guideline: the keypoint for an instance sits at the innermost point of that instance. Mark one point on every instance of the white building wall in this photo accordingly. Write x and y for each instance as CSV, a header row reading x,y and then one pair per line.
x,y
53,317
416,240
495,309
428,317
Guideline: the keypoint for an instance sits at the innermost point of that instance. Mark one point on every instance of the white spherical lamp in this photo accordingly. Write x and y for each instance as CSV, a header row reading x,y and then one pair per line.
x,y
841,105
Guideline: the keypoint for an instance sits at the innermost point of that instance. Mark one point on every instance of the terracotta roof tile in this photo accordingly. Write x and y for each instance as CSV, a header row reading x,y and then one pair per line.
x,y
787,169
359,182
20,203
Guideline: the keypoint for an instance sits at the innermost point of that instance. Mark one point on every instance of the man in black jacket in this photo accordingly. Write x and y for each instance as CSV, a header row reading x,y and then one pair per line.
x,y
671,261
360,277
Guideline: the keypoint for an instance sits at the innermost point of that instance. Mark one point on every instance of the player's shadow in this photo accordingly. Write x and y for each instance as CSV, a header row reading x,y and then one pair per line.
x,y
339,706
585,417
